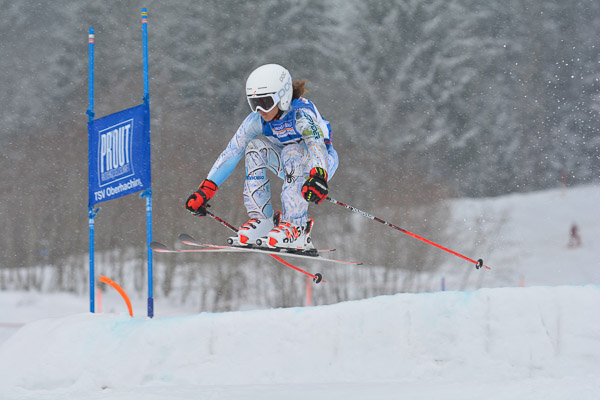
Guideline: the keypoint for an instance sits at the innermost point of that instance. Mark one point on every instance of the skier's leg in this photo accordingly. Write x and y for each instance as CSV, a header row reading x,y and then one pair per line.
x,y
295,226
260,156
295,208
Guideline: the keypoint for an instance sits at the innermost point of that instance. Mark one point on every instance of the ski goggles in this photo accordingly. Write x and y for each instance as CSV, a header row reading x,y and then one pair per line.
x,y
263,102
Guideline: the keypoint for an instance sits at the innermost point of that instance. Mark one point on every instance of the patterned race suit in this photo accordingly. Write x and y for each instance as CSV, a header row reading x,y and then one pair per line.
x,y
289,147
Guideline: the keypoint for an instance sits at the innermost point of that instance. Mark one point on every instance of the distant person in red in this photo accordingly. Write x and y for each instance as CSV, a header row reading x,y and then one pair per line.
x,y
575,239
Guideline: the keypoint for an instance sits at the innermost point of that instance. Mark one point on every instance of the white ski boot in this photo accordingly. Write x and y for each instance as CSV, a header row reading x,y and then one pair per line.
x,y
252,230
263,241
285,235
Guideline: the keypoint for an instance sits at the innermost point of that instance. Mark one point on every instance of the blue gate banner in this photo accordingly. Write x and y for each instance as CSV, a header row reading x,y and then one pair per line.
x,y
119,154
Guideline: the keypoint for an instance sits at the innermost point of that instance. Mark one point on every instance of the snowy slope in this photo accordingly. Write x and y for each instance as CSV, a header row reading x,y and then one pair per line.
x,y
541,341
507,343
524,238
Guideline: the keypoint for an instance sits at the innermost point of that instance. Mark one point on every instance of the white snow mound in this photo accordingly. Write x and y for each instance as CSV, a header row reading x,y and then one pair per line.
x,y
490,334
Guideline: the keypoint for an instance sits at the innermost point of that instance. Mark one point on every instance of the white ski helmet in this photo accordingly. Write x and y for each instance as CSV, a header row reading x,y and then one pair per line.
x,y
268,86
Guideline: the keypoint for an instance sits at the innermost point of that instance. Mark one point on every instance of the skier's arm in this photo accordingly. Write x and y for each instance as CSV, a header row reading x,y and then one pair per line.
x,y
313,137
315,189
224,166
229,158
332,161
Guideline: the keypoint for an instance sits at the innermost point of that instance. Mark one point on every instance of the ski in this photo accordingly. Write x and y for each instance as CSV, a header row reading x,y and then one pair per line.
x,y
206,248
312,254
187,239
163,248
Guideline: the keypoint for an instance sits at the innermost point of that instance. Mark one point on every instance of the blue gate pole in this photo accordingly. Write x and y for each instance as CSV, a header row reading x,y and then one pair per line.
x,y
90,112
148,192
148,195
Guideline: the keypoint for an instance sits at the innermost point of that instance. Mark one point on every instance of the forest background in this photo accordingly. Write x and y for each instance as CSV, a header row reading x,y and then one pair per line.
x,y
428,100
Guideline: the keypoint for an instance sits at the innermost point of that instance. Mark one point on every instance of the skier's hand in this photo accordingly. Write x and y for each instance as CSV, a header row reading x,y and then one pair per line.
x,y
198,201
315,187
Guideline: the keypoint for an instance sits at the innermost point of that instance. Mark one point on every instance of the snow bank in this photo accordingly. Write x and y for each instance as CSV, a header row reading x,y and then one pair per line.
x,y
491,335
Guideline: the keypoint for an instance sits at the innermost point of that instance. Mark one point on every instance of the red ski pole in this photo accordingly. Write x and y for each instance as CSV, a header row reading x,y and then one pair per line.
x,y
478,263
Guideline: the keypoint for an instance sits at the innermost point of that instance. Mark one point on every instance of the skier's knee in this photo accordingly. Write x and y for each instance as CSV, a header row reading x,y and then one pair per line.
x,y
294,159
255,154
255,145
292,152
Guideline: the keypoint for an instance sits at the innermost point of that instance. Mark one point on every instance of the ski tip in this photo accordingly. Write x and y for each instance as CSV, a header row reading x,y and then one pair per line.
x,y
157,246
186,238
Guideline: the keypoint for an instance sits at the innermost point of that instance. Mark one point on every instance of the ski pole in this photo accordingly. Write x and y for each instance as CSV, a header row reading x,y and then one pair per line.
x,y
221,221
478,263
317,278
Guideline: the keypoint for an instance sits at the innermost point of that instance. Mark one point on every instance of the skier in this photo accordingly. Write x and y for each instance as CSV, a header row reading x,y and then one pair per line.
x,y
574,239
286,134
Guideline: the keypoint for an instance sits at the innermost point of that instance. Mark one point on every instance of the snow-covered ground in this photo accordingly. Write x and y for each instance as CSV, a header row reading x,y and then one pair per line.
x,y
502,343
540,341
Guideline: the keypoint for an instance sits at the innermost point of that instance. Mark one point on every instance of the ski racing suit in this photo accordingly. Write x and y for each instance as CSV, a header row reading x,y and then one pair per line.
x,y
290,147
